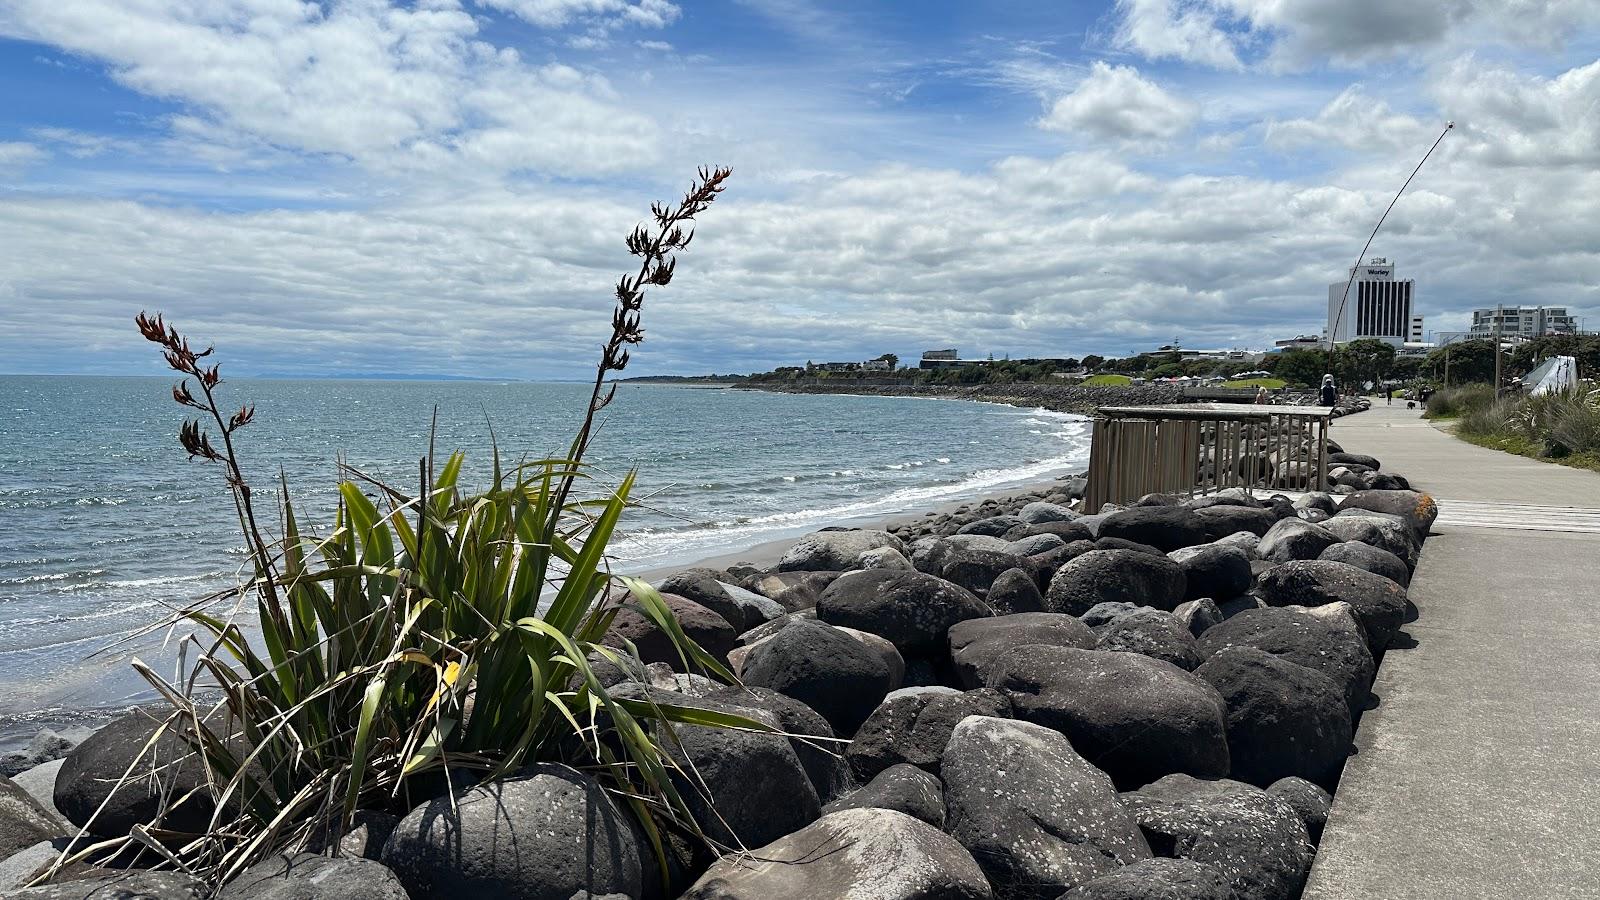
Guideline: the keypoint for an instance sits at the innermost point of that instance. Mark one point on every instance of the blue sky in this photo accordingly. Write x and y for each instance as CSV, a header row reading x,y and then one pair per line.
x,y
441,186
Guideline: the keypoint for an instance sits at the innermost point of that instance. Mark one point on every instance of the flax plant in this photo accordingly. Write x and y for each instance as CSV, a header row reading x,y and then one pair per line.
x,y
432,630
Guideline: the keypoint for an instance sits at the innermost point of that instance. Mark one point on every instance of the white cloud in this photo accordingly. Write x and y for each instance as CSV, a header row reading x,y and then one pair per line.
x,y
17,154
1514,119
1296,34
1187,30
1117,103
1354,120
387,86
606,13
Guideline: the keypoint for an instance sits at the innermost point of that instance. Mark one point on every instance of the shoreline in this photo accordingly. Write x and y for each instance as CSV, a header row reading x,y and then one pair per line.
x,y
1061,398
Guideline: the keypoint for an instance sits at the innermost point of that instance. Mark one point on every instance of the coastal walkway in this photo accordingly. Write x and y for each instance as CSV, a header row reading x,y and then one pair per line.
x,y
1477,774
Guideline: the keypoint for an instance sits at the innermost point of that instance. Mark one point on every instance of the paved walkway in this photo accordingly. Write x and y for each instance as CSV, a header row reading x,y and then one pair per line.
x,y
1478,773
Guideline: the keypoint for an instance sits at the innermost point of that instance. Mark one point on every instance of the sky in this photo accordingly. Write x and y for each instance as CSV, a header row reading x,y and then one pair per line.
x,y
442,187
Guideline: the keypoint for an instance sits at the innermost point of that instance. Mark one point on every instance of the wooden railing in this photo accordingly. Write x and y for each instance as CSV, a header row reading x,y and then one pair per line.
x,y
1199,448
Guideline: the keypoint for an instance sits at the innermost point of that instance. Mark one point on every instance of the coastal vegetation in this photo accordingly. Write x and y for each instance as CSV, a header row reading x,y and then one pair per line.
x,y
430,636
1562,426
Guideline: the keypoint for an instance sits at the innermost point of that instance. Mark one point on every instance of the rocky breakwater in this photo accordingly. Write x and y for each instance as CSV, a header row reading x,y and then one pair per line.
x,y
1071,398
1024,701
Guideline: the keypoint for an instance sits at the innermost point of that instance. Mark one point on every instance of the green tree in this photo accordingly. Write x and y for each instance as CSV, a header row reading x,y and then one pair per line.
x,y
1469,361
1301,366
891,359
1093,362
1366,359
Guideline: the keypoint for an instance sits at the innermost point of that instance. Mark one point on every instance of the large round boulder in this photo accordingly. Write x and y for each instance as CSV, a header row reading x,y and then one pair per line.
x,y
1039,819
24,821
824,668
1379,603
91,785
793,591
1294,538
1135,717
810,734
1221,521
1294,634
1126,576
1015,591
1038,512
901,787
1282,718
1165,528
132,885
1217,571
308,875
1417,508
741,608
1156,634
976,570
1384,532
1256,841
853,853
1157,879
915,727
1311,803
548,833
911,609
712,632
834,551
977,643
1369,558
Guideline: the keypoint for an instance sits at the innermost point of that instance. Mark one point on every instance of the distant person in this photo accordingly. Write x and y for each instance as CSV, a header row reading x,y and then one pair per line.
x,y
1330,393
1261,393
1388,395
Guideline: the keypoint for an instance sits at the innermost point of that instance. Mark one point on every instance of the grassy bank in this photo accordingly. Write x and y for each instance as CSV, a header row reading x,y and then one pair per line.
x,y
1560,428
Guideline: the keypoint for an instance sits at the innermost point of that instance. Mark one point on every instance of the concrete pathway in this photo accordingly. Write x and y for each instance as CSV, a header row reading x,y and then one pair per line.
x,y
1478,773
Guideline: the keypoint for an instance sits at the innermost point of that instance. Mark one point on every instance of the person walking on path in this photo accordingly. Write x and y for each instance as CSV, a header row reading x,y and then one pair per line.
x,y
1330,393
1388,396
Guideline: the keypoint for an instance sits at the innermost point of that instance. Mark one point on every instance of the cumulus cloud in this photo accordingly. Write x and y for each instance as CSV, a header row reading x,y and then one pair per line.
x,y
386,86
1302,33
17,154
1117,103
1354,120
612,13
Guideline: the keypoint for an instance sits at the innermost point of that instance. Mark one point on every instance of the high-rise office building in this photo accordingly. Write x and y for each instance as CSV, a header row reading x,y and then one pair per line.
x,y
1523,321
1378,306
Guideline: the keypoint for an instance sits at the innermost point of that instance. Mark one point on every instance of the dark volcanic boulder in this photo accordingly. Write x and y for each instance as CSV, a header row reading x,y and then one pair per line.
x,y
755,788
132,885
1100,615
791,590
1156,634
994,526
1379,603
1294,538
1040,512
24,821
1165,528
1369,558
1257,842
834,551
914,728
1116,543
1135,717
1036,816
1417,508
824,668
1125,576
1360,459
307,875
1384,532
1282,718
1034,544
548,833
903,788
1067,531
1218,571
1157,879
1316,642
876,853
741,608
911,609
1221,521
976,643
1311,803
711,631
92,771
975,570
1198,615
1015,591
828,772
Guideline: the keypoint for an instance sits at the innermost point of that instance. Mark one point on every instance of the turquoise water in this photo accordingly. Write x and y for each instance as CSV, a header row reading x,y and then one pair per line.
x,y
104,523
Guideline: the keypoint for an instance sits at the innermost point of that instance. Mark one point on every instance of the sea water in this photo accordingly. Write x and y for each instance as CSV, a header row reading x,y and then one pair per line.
x,y
105,525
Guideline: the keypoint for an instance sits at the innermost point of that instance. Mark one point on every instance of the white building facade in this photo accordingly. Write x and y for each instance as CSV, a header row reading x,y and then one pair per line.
x,y
1378,306
1522,321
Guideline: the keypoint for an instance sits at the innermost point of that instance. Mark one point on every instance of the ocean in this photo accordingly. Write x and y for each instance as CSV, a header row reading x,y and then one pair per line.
x,y
104,523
